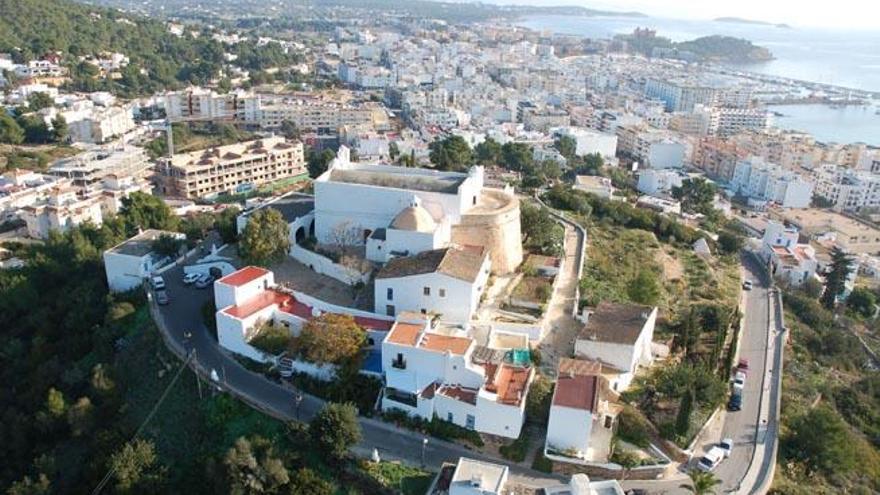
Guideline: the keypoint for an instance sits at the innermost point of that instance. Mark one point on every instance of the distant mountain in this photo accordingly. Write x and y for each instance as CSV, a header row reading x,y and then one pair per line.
x,y
740,20
725,49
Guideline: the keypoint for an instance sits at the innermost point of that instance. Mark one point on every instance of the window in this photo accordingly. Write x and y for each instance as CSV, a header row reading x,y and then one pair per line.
x,y
424,311
470,421
426,291
449,417
389,310
442,292
389,294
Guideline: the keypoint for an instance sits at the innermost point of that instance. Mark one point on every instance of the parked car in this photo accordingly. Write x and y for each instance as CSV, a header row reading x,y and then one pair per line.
x,y
726,446
162,297
747,285
204,281
711,460
158,283
190,278
743,366
739,381
735,403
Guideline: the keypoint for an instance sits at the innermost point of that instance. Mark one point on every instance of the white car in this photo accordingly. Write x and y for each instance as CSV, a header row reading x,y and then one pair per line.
x,y
726,445
191,277
158,283
711,460
747,285
739,381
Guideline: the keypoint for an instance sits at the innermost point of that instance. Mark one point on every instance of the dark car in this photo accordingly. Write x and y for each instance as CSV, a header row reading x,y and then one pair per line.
x,y
162,298
204,282
735,403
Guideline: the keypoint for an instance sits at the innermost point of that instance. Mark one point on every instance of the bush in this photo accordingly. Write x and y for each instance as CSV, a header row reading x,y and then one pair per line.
x,y
541,463
438,428
335,429
517,450
632,427
538,400
271,338
361,390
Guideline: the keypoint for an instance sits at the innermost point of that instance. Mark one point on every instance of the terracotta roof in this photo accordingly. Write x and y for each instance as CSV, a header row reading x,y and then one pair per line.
x,y
576,391
459,393
444,343
258,303
508,382
569,366
429,391
463,264
616,323
243,276
404,333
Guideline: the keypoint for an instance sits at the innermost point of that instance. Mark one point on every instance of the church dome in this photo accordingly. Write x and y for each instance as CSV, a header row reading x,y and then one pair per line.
x,y
414,218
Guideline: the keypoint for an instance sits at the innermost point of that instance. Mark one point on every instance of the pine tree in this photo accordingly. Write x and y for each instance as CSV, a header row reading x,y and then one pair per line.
x,y
835,279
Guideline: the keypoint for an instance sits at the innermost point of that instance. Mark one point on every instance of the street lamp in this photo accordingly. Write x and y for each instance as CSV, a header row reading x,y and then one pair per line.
x,y
424,445
297,398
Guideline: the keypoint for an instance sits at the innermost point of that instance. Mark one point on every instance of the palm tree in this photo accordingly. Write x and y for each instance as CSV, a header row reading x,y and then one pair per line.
x,y
702,482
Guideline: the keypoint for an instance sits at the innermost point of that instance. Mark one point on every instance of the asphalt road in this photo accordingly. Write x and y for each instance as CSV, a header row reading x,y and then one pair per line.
x,y
740,425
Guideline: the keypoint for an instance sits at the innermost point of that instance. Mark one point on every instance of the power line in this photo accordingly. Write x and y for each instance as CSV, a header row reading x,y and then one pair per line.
x,y
143,425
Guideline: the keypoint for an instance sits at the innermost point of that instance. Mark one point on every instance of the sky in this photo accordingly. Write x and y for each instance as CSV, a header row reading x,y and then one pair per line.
x,y
859,14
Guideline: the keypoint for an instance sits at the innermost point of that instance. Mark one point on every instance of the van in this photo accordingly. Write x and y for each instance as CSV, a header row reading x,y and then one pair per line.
x,y
711,460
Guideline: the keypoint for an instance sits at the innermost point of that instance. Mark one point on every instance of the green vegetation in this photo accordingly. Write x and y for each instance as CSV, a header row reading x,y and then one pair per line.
x,y
517,450
331,338
713,48
397,476
835,279
271,338
37,158
451,153
828,389
702,482
541,233
194,136
437,427
159,60
335,429
265,239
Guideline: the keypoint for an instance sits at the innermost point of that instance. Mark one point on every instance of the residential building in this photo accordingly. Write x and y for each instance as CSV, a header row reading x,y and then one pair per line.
x,y
247,298
662,205
789,260
588,141
233,168
845,231
619,336
60,211
87,170
129,263
681,95
101,125
473,477
20,188
659,182
447,282
431,370
653,148
718,157
847,189
762,182
574,411
542,120
727,121
594,184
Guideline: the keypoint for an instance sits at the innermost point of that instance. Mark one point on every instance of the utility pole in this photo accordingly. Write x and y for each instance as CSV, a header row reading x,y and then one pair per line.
x,y
196,372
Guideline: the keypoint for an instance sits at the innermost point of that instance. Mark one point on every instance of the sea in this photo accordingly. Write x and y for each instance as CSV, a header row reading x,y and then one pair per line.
x,y
843,58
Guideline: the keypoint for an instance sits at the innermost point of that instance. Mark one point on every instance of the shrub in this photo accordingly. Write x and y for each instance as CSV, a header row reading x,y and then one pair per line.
x,y
271,338
541,463
633,428
516,451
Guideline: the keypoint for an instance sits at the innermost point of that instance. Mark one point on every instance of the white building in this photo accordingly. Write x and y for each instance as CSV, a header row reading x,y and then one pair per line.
x,y
757,179
659,182
447,282
847,189
589,141
573,410
473,477
439,371
619,336
132,261
20,188
594,184
653,148
727,121
101,125
398,211
60,211
249,297
789,260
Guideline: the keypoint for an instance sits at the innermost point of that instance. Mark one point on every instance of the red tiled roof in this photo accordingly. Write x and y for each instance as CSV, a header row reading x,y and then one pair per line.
x,y
405,333
243,276
508,382
456,392
576,391
444,343
258,303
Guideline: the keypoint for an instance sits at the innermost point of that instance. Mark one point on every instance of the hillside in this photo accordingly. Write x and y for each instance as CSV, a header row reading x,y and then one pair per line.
x,y
159,59
715,48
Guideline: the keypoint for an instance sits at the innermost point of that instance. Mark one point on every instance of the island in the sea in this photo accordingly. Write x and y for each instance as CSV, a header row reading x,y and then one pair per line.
x,y
715,48
740,20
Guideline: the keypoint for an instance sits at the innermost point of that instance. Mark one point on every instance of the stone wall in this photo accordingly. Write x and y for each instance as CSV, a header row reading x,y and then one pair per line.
x,y
493,224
